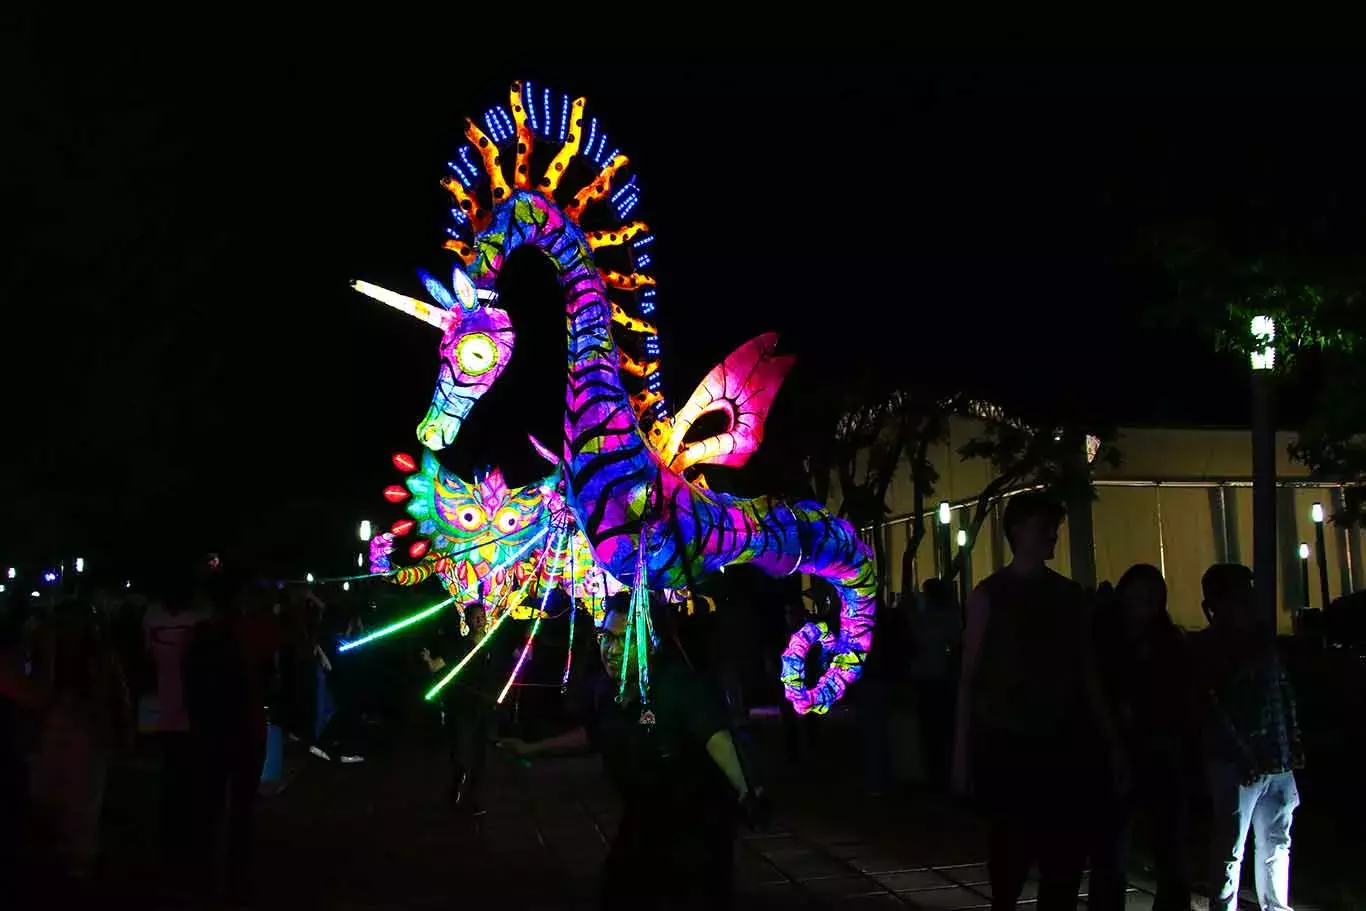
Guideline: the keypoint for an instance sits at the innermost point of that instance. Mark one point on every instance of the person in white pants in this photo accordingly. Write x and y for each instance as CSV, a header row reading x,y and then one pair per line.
x,y
1252,743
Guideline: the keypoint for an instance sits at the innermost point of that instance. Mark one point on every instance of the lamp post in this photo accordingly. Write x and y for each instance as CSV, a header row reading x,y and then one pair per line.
x,y
1264,470
1304,571
1321,552
308,577
945,542
365,530
964,566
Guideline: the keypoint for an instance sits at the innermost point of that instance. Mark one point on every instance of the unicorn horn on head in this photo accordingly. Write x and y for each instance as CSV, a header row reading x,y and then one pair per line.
x,y
432,316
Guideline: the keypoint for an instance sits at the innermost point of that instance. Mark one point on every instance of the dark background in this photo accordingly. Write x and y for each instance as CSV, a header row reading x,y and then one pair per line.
x,y
185,366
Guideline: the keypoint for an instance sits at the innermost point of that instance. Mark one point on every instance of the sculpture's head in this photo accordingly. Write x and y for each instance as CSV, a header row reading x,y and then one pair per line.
x,y
486,519
476,344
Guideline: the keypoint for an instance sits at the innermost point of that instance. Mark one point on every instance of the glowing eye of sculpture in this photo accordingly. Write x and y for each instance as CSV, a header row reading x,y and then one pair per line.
x,y
476,354
470,518
507,520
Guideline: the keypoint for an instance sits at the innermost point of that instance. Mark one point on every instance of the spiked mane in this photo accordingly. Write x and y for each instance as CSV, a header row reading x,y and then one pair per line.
x,y
584,169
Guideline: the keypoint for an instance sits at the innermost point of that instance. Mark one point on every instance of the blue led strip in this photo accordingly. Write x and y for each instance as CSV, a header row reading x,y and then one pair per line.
x,y
564,116
529,102
509,127
592,137
460,219
643,260
459,171
624,189
647,301
498,123
643,240
545,110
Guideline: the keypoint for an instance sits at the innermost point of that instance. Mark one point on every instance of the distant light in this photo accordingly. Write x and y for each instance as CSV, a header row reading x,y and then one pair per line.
x,y
11,573
1264,331
360,560
945,513
2,589
1316,513
128,584
1304,551
34,595
80,564
308,577
49,576
962,537
346,586
365,530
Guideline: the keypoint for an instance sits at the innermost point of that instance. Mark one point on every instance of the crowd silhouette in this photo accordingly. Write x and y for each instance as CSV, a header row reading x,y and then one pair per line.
x,y
1085,726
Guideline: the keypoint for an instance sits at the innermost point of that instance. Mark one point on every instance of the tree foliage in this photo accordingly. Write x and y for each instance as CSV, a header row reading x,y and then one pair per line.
x,y
1026,453
1307,274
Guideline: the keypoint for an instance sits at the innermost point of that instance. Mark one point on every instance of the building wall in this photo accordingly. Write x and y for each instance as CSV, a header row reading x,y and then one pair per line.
x,y
1181,500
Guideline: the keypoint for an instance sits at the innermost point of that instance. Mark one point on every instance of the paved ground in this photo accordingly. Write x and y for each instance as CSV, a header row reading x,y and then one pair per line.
x,y
378,835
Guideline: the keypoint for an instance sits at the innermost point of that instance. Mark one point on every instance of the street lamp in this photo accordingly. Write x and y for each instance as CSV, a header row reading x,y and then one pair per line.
x,y
346,586
1304,571
49,577
945,541
308,577
80,564
11,573
1264,469
365,530
964,566
1317,516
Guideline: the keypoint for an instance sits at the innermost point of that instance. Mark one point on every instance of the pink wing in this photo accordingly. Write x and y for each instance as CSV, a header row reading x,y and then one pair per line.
x,y
742,387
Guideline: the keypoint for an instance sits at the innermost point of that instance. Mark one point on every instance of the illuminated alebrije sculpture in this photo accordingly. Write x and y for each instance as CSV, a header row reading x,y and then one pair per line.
x,y
477,538
630,472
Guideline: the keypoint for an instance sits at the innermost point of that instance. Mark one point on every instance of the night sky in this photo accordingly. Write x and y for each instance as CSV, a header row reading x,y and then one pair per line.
x,y
186,366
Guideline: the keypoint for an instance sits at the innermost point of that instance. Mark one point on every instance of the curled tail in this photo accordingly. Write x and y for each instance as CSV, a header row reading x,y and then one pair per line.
x,y
837,555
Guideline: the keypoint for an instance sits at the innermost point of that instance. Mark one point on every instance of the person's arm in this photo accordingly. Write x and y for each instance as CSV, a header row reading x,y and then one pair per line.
x,y
978,610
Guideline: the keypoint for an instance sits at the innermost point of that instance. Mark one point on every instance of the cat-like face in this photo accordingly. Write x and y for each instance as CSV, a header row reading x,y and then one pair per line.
x,y
486,515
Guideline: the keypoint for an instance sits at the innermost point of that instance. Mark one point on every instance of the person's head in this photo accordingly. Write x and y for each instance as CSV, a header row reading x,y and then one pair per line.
x,y
476,616
1031,524
612,637
1141,596
938,594
1227,591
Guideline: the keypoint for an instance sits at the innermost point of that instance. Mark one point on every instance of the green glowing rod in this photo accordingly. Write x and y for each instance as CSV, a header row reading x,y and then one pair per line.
x,y
441,684
395,627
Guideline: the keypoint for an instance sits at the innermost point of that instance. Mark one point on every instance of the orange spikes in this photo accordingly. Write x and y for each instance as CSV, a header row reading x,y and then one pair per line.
x,y
493,162
644,399
554,172
522,176
636,368
632,324
614,279
479,216
617,236
461,249
600,187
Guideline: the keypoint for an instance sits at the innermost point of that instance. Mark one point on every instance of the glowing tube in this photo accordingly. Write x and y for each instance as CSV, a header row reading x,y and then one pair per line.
x,y
521,660
517,597
395,627
432,316
441,684
550,582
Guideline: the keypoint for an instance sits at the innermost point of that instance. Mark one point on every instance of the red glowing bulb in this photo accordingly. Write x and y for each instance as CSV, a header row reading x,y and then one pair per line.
x,y
404,462
395,494
402,527
417,550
